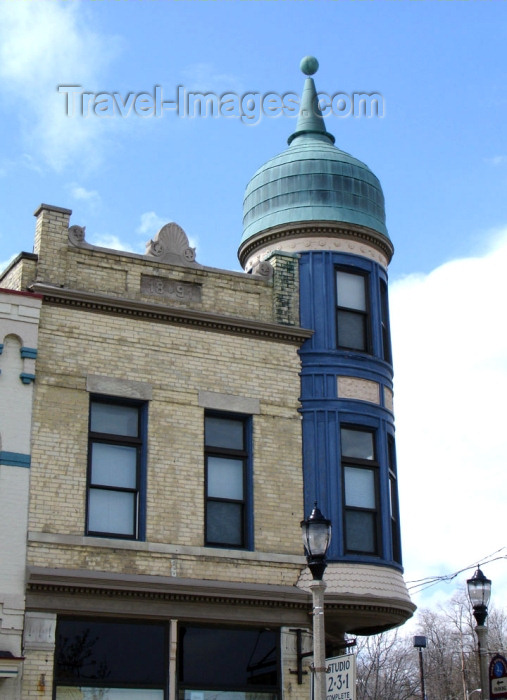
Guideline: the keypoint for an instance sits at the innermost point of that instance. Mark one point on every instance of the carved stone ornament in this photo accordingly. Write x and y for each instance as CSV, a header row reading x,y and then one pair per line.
x,y
77,235
171,245
263,269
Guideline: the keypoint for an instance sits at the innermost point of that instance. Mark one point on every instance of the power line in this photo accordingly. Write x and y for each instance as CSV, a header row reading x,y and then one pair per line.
x,y
422,584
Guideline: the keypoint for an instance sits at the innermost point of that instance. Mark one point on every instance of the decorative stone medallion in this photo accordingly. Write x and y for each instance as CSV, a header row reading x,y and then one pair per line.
x,y
171,245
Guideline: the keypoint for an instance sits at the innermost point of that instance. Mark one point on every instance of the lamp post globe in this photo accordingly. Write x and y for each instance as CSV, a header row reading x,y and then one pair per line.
x,y
316,532
479,592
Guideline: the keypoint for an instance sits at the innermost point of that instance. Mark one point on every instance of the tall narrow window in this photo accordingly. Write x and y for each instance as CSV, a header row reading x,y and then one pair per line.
x,y
384,320
360,476
114,463
393,501
352,311
226,464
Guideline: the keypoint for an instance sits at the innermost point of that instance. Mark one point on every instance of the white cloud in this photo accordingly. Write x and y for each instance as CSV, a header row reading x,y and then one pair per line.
x,y
496,160
150,224
450,345
43,45
108,240
28,162
82,194
25,160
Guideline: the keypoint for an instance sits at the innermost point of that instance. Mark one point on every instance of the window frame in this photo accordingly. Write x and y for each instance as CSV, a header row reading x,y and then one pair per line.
x,y
385,329
371,465
61,681
365,314
139,443
245,456
394,507
185,683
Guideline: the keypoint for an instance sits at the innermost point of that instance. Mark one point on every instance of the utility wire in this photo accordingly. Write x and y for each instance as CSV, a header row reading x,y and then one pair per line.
x,y
419,585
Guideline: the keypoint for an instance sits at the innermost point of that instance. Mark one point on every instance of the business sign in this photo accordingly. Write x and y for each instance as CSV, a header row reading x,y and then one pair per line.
x,y
341,677
498,677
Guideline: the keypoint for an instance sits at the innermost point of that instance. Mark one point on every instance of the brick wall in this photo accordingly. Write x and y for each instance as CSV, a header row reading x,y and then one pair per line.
x,y
251,361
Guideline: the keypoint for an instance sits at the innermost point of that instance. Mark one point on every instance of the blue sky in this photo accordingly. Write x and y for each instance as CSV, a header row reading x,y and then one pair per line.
x,y
440,152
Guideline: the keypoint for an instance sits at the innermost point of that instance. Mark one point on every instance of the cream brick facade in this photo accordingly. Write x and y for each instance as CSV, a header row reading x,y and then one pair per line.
x,y
184,338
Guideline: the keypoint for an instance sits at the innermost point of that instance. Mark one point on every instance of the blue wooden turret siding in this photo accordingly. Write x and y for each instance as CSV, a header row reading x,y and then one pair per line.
x,y
324,413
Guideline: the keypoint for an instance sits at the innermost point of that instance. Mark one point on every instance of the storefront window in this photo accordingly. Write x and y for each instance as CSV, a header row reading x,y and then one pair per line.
x,y
228,664
110,660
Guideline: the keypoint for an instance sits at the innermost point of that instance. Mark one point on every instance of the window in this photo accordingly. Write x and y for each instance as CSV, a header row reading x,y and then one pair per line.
x,y
226,458
240,664
393,501
360,475
352,316
115,659
114,469
384,320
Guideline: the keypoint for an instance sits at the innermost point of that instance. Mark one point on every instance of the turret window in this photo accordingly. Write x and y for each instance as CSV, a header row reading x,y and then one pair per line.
x,y
352,316
393,501
384,320
360,477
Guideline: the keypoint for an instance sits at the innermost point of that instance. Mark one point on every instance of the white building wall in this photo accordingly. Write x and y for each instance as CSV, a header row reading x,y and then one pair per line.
x,y
19,318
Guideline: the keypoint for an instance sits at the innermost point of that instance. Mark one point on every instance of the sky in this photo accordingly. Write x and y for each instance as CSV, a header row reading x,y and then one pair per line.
x,y
439,149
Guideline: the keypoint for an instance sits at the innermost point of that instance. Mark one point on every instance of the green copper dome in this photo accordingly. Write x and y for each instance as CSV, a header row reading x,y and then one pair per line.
x,y
312,180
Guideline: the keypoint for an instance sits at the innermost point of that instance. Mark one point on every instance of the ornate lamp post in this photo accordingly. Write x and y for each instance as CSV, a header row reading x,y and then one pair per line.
x,y
316,531
479,592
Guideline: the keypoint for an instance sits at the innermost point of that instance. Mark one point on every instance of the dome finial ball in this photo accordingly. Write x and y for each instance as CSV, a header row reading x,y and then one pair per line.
x,y
309,65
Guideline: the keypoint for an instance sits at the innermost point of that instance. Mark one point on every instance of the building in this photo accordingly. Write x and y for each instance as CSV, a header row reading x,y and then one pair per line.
x,y
19,319
185,420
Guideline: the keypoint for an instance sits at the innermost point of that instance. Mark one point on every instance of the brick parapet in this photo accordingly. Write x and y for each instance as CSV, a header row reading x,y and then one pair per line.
x,y
285,287
79,266
20,273
51,242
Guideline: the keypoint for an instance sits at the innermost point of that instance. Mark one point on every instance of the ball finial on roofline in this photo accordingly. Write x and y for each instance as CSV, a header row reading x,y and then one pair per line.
x,y
309,65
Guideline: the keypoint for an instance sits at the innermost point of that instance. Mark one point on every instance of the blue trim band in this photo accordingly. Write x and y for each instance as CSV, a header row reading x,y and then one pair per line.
x,y
30,353
1,348
27,378
15,459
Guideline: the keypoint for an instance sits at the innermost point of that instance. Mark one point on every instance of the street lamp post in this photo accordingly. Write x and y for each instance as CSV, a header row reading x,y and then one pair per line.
x,y
420,643
316,531
479,592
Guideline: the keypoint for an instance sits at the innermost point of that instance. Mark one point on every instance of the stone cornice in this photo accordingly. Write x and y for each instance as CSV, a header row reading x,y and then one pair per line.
x,y
314,230
356,611
85,582
51,207
90,301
